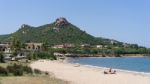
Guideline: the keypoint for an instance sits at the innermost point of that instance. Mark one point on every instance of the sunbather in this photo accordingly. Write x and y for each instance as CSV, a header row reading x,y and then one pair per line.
x,y
110,71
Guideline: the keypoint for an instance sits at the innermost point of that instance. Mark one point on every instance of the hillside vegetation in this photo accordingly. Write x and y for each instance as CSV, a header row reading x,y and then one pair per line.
x,y
58,32
61,32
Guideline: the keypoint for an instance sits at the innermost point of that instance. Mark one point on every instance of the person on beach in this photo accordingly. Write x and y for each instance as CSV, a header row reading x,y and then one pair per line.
x,y
110,71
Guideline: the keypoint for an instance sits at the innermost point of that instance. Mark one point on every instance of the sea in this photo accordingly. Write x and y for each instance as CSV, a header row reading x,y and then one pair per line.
x,y
132,64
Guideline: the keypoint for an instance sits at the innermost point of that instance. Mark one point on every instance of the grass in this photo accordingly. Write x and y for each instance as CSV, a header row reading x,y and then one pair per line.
x,y
31,80
4,65
13,62
44,78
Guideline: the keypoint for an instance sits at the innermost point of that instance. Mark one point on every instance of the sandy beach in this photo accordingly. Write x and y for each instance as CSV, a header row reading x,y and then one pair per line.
x,y
79,74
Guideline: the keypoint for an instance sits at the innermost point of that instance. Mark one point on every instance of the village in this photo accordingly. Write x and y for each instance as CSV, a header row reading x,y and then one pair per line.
x,y
5,48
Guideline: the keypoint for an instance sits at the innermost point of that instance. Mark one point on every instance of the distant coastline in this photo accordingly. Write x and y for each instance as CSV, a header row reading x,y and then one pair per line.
x,y
109,55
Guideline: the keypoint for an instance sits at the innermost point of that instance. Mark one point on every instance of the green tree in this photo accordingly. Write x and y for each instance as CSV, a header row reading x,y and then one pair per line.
x,y
2,58
45,46
15,46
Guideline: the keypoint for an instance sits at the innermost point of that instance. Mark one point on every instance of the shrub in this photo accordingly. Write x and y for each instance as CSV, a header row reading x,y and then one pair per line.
x,y
37,71
42,55
34,56
27,69
2,58
29,56
11,69
17,66
18,72
46,73
52,57
3,71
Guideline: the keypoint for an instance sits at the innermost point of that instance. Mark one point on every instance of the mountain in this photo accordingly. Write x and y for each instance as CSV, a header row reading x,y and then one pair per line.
x,y
58,32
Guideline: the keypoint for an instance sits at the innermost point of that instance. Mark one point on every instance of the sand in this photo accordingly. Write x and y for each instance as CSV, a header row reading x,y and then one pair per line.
x,y
78,74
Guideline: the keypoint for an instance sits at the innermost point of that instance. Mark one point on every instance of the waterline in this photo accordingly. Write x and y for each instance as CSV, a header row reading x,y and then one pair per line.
x,y
127,65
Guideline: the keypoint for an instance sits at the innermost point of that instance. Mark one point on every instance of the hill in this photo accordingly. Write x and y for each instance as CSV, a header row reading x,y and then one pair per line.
x,y
58,32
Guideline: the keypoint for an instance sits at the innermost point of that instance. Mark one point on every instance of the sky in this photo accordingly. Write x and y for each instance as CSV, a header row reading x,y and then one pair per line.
x,y
123,20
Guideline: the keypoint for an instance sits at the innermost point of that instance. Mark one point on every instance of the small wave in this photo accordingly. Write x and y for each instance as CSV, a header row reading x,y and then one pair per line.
x,y
120,70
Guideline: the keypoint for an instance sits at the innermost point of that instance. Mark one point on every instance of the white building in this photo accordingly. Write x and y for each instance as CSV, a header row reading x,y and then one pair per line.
x,y
99,46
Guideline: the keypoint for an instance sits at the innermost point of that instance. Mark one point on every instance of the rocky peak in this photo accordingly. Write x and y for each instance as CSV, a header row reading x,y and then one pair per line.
x,y
61,22
24,26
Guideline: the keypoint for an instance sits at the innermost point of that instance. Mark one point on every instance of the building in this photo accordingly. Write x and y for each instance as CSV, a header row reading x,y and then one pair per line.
x,y
125,45
66,45
34,46
58,54
85,45
99,46
4,47
58,46
106,46
113,42
8,50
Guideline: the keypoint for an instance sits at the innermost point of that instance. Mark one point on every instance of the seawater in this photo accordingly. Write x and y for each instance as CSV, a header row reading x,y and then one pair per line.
x,y
137,64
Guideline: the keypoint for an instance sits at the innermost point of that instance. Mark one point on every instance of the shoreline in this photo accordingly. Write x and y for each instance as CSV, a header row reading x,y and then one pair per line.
x,y
84,74
104,68
68,59
113,57
118,70
109,55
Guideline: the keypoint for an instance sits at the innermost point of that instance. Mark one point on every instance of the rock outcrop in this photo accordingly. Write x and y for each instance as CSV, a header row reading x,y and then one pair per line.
x,y
24,26
60,22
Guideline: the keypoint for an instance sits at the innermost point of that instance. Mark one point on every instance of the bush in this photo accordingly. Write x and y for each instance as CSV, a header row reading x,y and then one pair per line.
x,y
42,55
46,73
29,56
18,72
11,69
2,58
52,57
3,71
27,69
37,71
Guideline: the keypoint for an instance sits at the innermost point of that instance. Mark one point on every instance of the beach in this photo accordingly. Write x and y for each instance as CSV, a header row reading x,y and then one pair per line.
x,y
79,74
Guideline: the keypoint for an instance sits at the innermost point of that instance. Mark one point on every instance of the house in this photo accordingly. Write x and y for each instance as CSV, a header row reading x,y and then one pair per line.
x,y
8,50
58,46
85,45
66,45
4,47
113,42
58,54
126,45
34,46
99,46
106,46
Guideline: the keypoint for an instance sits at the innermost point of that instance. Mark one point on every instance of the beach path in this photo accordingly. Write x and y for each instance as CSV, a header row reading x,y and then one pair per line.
x,y
84,75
